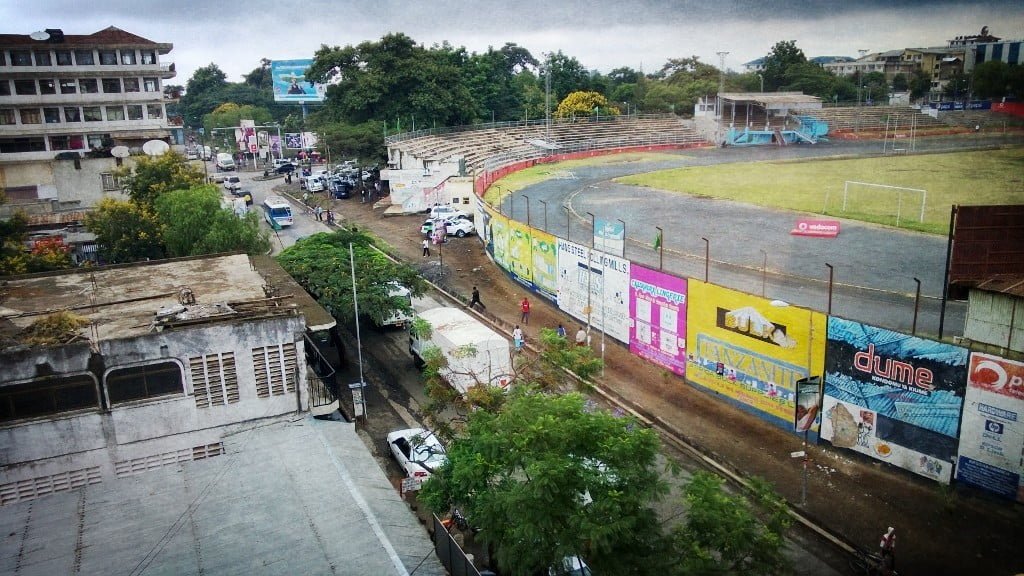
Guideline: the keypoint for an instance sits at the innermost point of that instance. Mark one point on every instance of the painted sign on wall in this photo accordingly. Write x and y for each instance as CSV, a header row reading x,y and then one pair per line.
x,y
594,286
657,304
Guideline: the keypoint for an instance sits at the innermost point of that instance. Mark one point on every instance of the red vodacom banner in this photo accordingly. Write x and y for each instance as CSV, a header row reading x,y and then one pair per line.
x,y
823,228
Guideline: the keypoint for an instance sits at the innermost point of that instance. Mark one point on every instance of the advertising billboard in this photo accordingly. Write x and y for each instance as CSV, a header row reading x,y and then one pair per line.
x,y
498,236
290,84
657,305
752,350
893,397
545,263
991,454
610,236
520,258
598,289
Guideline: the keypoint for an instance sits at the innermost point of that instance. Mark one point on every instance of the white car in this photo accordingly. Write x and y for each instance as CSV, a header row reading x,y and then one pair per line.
x,y
232,183
418,451
460,226
438,211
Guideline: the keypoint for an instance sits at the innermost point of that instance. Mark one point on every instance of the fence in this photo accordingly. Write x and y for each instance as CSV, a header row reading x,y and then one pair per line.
x,y
449,552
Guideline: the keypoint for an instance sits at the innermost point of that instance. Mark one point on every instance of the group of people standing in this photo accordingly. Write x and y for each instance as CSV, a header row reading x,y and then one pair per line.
x,y
518,337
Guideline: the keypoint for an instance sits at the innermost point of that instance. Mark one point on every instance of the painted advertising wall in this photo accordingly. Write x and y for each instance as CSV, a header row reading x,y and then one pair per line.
x,y
520,257
545,264
657,304
743,347
600,288
894,397
992,433
498,240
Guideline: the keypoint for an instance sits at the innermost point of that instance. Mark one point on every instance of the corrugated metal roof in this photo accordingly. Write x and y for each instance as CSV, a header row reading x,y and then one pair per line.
x,y
1011,284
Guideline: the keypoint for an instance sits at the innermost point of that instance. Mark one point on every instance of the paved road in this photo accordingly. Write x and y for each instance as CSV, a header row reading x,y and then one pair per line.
x,y
751,248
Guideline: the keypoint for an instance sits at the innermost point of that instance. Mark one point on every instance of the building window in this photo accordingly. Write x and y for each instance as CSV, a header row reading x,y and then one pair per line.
x,y
88,86
155,110
109,182
115,113
48,397
135,112
84,58
131,84
21,58
150,84
108,58
63,57
6,117
92,114
76,142
275,369
148,57
25,87
43,59
214,380
30,116
68,86
99,141
111,85
72,114
5,87
128,57
147,381
60,142
48,86
21,144
3,58
51,115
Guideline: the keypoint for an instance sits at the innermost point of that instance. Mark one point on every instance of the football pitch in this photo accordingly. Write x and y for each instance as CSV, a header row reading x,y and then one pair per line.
x,y
819,186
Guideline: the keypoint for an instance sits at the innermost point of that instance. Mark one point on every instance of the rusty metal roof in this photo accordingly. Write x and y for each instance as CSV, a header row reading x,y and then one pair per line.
x,y
1011,284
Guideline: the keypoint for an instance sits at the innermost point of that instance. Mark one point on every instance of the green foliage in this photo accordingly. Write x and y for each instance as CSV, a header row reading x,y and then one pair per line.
x,y
195,223
320,263
558,352
125,231
729,534
567,76
544,477
50,254
13,231
152,176
231,114
777,63
584,104
995,79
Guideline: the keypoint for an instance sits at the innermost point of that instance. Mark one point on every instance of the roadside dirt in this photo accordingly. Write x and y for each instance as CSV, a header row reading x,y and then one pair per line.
x,y
940,530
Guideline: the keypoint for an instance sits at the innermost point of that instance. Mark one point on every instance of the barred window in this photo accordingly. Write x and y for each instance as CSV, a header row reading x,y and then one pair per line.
x,y
214,379
110,183
275,368
146,381
48,396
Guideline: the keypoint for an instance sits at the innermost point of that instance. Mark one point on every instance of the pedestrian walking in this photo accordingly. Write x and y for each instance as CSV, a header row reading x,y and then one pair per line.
x,y
362,195
476,299
426,247
319,213
524,307
305,198
560,331
517,338
581,337
330,217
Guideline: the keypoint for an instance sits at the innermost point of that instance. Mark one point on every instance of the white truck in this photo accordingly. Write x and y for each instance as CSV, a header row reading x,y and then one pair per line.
x,y
475,353
400,319
225,162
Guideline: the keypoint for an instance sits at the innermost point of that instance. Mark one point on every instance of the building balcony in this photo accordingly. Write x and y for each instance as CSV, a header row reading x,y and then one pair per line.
x,y
81,99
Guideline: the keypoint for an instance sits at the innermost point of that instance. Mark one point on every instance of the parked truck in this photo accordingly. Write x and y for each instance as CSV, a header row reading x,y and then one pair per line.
x,y
397,318
476,354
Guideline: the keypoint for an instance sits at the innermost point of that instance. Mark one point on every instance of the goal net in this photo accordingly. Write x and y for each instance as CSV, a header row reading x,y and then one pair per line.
x,y
879,203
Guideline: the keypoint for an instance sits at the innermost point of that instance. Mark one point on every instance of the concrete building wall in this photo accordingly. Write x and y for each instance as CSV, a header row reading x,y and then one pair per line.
x,y
995,319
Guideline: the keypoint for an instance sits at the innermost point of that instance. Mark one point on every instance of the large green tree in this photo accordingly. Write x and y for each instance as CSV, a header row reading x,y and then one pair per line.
x,y
152,176
780,58
583,104
194,222
321,264
545,477
125,231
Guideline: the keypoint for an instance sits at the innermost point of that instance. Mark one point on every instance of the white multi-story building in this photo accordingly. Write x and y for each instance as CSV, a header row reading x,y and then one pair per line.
x,y
66,100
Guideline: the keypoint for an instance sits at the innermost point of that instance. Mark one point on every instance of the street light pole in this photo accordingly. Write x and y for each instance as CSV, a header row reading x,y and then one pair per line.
x,y
764,272
830,272
545,213
707,254
661,246
527,209
623,236
567,222
593,228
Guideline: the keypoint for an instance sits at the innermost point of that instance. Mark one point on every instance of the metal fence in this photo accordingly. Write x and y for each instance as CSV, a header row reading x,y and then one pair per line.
x,y
450,553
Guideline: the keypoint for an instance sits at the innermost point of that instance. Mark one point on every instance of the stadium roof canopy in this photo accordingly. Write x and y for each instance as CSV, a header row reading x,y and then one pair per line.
x,y
772,100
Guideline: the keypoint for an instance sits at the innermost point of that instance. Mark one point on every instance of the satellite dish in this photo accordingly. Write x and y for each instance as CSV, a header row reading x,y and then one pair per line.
x,y
39,35
155,147
119,152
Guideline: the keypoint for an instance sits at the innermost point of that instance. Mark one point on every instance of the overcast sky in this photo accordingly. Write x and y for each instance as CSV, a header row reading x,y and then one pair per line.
x,y
601,34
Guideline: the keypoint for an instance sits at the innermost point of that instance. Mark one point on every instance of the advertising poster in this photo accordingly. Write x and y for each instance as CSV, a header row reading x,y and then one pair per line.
x,y
992,433
293,140
520,258
499,240
290,84
657,305
749,350
894,397
545,263
599,289
610,236
275,145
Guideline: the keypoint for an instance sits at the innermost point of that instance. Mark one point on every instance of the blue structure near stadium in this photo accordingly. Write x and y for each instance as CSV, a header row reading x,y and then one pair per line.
x,y
809,131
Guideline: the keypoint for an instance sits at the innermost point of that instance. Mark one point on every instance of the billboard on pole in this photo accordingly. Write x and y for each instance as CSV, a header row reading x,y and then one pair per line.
x,y
290,84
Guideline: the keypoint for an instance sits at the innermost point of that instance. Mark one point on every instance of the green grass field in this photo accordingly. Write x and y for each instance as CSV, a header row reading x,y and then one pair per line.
x,y
816,186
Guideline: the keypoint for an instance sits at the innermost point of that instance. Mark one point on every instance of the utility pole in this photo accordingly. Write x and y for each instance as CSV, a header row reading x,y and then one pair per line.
x,y
721,71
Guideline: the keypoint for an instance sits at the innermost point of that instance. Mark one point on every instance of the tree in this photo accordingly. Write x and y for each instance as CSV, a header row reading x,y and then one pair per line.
x,y
900,83
125,231
584,104
778,61
320,263
567,75
194,223
13,231
50,254
203,93
153,176
722,533
545,478
920,83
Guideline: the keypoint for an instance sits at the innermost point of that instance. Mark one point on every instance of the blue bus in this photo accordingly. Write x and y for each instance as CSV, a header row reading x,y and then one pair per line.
x,y
277,211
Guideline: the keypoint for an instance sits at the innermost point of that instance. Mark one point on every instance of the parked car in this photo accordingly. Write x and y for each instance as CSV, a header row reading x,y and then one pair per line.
x,y
285,168
232,183
570,566
460,226
445,210
191,155
340,187
238,193
418,451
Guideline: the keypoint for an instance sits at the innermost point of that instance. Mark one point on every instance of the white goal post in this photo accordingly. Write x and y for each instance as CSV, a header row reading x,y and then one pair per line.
x,y
899,196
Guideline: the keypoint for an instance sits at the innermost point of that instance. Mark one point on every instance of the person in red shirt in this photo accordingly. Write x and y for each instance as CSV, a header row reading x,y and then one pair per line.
x,y
525,307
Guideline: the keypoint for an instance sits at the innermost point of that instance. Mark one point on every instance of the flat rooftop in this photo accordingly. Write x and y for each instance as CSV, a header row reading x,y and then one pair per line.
x,y
294,495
